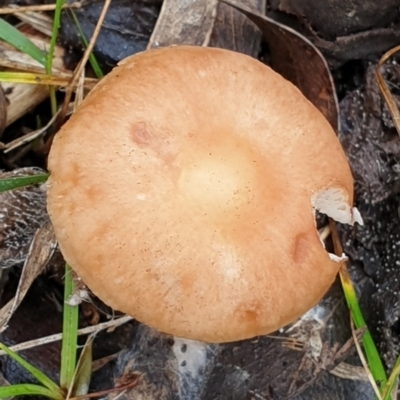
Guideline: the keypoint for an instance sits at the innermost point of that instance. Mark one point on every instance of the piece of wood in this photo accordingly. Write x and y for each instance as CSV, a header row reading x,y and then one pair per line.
x,y
22,98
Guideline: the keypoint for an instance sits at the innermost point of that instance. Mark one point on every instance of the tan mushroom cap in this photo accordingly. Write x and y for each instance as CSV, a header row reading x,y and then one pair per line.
x,y
182,193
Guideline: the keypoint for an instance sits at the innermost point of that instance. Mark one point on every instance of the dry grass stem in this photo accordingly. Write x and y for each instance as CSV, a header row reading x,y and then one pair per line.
x,y
101,362
58,336
39,21
348,371
364,361
79,95
82,63
29,137
13,9
385,91
119,395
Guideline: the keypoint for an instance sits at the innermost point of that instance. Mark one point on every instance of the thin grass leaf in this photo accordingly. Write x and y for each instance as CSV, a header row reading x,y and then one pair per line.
x,y
16,39
70,334
92,58
363,360
374,361
83,372
49,59
41,79
56,26
388,389
39,375
27,389
21,181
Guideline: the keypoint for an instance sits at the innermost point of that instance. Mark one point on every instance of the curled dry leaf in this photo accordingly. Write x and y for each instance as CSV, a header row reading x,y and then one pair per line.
x,y
299,61
343,30
340,18
40,252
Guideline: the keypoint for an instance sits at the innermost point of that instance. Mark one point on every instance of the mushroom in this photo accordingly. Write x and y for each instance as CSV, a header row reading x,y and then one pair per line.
x,y
184,188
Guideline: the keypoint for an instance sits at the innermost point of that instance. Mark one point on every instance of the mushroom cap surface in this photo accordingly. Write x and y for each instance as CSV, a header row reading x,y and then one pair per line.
x,y
183,189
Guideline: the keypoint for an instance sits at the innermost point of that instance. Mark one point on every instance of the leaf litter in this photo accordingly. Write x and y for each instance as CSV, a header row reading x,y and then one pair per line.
x,y
288,60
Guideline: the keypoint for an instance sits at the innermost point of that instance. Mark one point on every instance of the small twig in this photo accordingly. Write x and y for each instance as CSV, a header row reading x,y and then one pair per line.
x,y
28,137
58,336
79,91
78,70
119,395
13,9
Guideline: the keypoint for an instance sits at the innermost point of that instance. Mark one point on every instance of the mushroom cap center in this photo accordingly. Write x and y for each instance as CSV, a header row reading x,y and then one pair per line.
x,y
219,178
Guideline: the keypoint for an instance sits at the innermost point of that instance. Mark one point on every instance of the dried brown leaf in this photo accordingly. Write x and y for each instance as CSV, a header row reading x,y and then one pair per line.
x,y
184,22
234,31
299,61
40,252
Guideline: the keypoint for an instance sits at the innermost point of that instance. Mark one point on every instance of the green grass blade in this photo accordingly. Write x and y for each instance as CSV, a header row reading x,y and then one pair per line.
x,y
387,390
27,389
92,58
21,181
18,40
70,334
49,59
83,370
374,361
54,34
39,375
